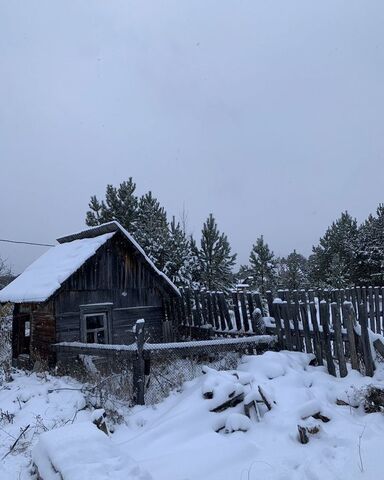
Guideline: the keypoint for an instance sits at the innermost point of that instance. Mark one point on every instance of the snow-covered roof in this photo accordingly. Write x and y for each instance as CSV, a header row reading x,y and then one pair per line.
x,y
46,275
115,226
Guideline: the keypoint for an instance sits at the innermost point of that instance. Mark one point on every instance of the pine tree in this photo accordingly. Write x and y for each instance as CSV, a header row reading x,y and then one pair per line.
x,y
180,261
214,260
336,252
152,231
263,266
293,271
120,204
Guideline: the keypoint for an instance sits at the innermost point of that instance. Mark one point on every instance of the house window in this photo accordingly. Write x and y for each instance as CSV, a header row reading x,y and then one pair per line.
x,y
95,328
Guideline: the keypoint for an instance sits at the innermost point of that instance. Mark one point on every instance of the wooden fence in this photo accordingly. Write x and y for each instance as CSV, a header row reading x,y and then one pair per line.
x,y
331,324
234,311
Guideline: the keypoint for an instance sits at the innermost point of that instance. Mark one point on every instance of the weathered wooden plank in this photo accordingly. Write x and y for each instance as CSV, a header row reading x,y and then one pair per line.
x,y
276,314
304,318
350,320
270,302
316,333
295,315
244,312
204,311
227,316
198,317
208,297
236,310
220,304
367,353
287,325
324,320
216,319
338,339
377,309
371,309
251,306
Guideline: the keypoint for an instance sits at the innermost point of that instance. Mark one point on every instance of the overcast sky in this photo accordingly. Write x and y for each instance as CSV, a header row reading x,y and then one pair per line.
x,y
267,113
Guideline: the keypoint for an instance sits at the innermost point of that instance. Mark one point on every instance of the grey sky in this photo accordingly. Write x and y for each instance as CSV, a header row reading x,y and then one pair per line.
x,y
268,114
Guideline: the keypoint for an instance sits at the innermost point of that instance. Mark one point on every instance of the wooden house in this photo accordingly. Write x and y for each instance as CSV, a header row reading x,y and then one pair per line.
x,y
91,287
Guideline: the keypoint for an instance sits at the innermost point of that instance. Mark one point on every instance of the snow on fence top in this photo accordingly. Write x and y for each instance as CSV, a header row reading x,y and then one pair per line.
x,y
45,275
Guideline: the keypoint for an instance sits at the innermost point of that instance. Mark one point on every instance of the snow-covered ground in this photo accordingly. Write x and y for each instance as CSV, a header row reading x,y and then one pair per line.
x,y
182,439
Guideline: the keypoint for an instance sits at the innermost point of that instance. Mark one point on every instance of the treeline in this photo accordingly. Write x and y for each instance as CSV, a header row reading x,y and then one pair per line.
x,y
348,254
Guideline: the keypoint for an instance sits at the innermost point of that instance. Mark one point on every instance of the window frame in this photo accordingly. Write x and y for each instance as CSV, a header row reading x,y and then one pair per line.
x,y
104,309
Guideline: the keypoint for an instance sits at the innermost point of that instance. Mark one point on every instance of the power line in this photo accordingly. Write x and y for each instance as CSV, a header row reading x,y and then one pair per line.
x,y
27,243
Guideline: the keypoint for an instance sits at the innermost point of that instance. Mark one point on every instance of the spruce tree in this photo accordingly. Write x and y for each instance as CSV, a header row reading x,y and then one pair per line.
x,y
120,204
152,231
263,264
214,260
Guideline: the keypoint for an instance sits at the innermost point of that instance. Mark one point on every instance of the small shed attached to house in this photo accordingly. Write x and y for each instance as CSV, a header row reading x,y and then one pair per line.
x,y
91,287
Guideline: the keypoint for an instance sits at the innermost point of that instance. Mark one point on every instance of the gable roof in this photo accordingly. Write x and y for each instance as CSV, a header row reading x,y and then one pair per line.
x,y
46,275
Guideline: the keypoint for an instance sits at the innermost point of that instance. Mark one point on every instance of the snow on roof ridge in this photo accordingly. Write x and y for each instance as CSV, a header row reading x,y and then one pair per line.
x,y
134,242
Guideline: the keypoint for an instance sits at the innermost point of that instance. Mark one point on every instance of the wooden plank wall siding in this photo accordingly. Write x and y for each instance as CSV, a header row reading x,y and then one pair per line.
x,y
331,324
118,275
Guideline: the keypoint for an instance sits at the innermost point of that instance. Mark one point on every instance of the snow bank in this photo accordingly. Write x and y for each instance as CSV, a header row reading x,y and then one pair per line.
x,y
82,452
44,276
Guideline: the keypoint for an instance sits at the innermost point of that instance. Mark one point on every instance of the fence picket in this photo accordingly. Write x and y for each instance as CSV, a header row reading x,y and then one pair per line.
x,y
335,309
324,320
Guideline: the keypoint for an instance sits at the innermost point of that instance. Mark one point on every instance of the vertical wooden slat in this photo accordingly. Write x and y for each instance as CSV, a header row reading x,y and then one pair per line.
x,y
197,319
349,319
204,311
275,312
209,307
227,316
259,303
367,353
371,310
235,300
244,312
307,337
223,326
377,309
287,325
270,302
251,306
354,299
295,315
324,320
216,320
188,307
316,333
335,308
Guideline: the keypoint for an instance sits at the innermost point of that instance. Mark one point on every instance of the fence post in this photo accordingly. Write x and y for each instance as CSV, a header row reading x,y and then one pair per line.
x,y
138,366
